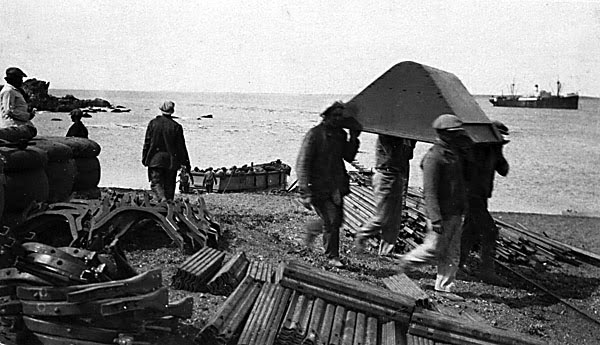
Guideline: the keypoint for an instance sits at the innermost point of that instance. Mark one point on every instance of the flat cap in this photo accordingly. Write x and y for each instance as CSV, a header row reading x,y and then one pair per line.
x,y
168,107
76,112
447,122
15,72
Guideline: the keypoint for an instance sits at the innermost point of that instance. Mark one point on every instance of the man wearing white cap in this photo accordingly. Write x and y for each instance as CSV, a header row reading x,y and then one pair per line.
x,y
445,203
164,152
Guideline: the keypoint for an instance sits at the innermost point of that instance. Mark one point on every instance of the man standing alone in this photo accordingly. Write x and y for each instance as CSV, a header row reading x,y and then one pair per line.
x,y
445,203
164,152
322,178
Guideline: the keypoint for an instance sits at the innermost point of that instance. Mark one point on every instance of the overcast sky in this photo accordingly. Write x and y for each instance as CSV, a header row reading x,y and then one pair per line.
x,y
300,46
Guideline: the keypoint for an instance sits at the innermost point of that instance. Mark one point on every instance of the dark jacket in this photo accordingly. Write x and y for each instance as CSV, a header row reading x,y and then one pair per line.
x,y
320,165
77,129
164,145
443,182
482,166
392,154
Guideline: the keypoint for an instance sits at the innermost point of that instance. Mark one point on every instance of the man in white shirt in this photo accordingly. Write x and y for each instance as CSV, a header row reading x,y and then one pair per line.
x,y
15,114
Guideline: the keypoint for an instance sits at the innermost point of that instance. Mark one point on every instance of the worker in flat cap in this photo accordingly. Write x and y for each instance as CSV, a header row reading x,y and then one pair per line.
x,y
322,178
164,152
77,129
479,227
445,195
15,112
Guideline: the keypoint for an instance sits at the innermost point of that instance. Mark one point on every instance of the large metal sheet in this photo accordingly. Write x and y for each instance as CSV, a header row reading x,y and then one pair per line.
x,y
406,99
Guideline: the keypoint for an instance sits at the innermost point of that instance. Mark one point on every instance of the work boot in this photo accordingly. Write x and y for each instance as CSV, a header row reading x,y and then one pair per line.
x,y
335,262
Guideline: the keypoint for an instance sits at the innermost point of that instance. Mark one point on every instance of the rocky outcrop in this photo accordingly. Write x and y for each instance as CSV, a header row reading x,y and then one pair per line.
x,y
41,100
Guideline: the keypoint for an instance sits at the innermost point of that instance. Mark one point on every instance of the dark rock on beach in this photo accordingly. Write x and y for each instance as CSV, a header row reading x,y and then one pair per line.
x,y
42,100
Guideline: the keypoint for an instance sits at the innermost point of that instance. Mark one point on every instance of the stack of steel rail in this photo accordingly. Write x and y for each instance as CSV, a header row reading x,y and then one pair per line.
x,y
229,276
227,323
326,308
312,306
429,327
197,270
262,271
514,245
266,314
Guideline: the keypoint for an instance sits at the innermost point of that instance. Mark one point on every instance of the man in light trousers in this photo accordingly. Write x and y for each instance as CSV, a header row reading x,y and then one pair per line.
x,y
445,203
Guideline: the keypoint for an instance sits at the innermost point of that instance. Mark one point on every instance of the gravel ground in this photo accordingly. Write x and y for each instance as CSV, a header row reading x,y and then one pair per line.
x,y
269,227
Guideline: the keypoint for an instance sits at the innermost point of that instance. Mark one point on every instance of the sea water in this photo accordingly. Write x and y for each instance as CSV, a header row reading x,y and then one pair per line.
x,y
554,154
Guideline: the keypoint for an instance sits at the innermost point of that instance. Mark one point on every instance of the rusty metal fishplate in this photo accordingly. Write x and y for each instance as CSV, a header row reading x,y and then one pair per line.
x,y
157,300
70,330
142,283
14,276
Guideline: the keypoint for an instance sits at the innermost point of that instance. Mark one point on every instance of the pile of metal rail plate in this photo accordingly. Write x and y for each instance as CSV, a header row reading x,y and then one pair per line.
x,y
312,306
514,245
204,271
70,295
96,224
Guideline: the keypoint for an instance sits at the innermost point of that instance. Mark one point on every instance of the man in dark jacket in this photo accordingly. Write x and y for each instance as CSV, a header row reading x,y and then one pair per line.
x,y
164,152
445,203
322,177
479,226
392,156
77,129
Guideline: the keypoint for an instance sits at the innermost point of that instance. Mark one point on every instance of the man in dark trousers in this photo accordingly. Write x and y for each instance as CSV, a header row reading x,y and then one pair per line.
x,y
164,152
445,203
479,226
392,156
77,129
209,180
322,178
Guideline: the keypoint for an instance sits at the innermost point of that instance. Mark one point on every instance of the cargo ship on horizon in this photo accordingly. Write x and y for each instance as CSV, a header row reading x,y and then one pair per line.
x,y
542,99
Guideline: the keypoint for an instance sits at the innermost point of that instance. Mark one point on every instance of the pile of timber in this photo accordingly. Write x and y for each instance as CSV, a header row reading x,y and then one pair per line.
x,y
514,245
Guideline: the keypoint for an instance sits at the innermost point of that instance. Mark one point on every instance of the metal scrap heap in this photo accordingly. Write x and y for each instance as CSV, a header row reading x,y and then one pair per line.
x,y
70,295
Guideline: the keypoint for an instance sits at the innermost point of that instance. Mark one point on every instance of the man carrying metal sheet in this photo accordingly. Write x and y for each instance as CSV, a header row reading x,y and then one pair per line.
x,y
322,178
445,203
392,156
479,226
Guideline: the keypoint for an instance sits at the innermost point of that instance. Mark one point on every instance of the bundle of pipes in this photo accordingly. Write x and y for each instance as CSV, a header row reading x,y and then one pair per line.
x,y
265,317
347,293
197,270
514,245
229,276
262,271
227,323
429,327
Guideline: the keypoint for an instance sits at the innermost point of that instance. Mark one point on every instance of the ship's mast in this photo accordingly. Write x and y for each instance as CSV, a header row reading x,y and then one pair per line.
x,y
558,86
